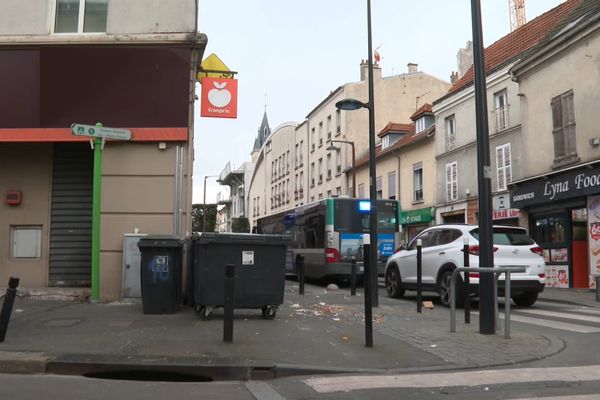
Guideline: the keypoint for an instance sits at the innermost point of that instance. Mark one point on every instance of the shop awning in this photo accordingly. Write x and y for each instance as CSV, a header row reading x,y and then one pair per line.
x,y
418,216
19,135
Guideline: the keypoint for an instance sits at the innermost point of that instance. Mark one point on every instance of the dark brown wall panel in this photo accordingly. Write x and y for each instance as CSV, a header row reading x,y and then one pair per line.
x,y
19,88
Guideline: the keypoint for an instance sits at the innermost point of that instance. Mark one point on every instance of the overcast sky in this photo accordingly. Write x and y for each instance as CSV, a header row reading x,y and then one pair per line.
x,y
296,52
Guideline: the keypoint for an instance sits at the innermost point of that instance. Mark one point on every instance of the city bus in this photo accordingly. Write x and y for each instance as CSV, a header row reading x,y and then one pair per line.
x,y
328,233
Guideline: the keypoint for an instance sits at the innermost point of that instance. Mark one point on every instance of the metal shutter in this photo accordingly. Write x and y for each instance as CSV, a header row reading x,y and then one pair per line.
x,y
71,215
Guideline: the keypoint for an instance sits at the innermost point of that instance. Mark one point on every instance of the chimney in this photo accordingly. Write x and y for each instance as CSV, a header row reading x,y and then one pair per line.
x,y
412,67
453,77
465,59
364,70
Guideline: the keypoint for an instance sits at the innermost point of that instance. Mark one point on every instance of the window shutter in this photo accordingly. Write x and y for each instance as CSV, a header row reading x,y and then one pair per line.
x,y
454,181
448,182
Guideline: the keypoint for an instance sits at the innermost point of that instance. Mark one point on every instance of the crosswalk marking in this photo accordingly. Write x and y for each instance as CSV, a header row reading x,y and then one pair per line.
x,y
453,379
554,324
566,315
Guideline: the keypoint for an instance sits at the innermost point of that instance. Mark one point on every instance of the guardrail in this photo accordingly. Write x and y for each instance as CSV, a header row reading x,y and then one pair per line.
x,y
497,271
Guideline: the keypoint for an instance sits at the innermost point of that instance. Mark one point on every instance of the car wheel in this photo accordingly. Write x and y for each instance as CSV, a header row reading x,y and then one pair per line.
x,y
444,289
393,283
526,299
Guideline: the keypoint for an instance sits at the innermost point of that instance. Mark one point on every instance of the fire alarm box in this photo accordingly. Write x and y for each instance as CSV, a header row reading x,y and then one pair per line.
x,y
13,197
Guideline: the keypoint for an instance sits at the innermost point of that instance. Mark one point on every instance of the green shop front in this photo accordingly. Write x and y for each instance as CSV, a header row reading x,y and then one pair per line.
x,y
414,221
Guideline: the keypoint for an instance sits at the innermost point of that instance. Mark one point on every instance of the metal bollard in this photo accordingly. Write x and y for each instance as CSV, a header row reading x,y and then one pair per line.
x,y
353,276
597,287
7,305
368,295
300,272
228,303
419,275
466,281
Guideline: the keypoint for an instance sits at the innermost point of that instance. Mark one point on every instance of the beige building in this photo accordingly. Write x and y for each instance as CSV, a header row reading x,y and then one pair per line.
x,y
319,171
559,191
122,63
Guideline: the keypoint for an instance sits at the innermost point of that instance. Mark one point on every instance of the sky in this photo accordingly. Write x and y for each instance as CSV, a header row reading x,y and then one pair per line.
x,y
291,54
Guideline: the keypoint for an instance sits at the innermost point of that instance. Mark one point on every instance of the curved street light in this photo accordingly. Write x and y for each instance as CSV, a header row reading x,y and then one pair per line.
x,y
332,147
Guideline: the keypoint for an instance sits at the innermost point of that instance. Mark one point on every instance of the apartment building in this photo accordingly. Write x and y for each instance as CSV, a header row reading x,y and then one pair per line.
x,y
125,64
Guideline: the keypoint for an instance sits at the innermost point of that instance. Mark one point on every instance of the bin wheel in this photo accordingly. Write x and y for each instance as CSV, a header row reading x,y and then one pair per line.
x,y
203,312
268,312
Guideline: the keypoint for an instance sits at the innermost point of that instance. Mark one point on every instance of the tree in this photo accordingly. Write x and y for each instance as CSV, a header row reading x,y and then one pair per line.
x,y
198,217
240,224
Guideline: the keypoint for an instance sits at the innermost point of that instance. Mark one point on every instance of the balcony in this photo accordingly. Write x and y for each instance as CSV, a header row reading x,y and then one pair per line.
x,y
500,119
223,198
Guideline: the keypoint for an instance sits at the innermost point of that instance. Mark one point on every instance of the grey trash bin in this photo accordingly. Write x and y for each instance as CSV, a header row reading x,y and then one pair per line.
x,y
161,264
259,271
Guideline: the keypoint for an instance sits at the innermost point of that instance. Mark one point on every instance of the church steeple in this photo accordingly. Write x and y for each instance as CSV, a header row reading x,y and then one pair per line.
x,y
263,133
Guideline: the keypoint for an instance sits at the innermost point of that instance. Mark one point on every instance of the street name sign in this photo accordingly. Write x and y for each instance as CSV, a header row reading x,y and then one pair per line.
x,y
101,132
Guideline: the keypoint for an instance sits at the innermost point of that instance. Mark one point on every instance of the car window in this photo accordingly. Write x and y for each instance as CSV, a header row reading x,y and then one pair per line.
x,y
428,239
508,236
448,236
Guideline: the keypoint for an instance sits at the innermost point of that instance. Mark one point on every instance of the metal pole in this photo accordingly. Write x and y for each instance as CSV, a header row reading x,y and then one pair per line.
x,y
353,171
228,303
300,271
7,306
507,305
353,276
372,271
419,274
368,298
96,206
484,173
466,281
204,207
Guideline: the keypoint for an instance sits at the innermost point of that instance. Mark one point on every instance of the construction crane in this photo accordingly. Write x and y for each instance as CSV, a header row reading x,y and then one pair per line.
x,y
516,11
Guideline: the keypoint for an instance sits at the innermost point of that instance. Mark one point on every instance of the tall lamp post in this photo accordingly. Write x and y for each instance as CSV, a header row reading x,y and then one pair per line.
x,y
371,298
332,148
204,204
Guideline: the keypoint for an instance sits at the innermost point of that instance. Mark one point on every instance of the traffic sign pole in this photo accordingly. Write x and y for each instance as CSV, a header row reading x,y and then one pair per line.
x,y
96,202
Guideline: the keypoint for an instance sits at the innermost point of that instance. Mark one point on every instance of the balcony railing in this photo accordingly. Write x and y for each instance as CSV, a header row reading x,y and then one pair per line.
x,y
500,118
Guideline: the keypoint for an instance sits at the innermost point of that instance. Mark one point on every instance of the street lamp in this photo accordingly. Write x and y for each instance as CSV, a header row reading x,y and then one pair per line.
x,y
204,205
332,147
371,299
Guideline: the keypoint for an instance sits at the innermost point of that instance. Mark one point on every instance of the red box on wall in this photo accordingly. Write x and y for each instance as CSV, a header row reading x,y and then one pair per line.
x,y
13,197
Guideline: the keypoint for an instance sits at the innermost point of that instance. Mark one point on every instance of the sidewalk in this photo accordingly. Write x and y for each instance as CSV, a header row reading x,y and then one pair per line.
x,y
320,332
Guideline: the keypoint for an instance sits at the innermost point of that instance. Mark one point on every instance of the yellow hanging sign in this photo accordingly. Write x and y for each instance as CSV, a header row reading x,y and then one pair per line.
x,y
213,67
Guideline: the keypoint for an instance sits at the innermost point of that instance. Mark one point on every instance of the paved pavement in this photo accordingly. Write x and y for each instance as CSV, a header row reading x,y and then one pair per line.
x,y
320,332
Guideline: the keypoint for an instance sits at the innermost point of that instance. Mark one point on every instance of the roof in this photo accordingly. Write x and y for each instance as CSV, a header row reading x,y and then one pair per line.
x,y
518,42
410,138
394,127
425,109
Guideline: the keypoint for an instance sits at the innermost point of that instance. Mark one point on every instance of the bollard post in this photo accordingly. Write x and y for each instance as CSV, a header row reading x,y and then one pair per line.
x,y
228,303
507,305
7,306
419,274
300,272
367,284
597,287
353,276
466,281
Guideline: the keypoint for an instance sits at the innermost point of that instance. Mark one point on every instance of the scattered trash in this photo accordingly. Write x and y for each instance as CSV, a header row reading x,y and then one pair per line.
x,y
332,287
344,337
433,346
295,305
428,305
336,319
18,310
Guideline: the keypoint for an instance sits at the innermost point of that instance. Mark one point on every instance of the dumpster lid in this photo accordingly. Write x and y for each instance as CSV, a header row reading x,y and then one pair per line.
x,y
255,238
160,241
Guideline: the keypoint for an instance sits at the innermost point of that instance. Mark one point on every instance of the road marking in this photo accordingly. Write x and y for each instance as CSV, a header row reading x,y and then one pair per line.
x,y
263,391
565,315
453,379
565,326
575,397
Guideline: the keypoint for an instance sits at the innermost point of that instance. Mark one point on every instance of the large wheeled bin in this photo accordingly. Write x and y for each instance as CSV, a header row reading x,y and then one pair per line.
x,y
161,276
259,279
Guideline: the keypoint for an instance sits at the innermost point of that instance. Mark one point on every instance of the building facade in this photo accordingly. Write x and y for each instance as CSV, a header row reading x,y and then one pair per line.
x,y
121,63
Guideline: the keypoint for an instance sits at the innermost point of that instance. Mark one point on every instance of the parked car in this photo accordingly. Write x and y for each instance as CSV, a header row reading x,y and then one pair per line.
x,y
442,252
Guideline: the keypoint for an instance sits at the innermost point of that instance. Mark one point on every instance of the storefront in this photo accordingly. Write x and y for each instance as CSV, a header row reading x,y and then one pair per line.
x,y
564,219
502,213
414,221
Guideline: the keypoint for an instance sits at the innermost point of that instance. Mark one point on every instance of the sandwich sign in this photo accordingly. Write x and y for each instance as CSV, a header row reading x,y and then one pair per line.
x,y
219,97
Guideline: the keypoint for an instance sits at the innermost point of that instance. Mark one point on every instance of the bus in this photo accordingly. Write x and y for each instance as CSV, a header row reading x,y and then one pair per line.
x,y
328,233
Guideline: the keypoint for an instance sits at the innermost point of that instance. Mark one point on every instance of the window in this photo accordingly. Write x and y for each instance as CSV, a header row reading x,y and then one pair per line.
x,y
450,133
361,191
296,156
385,142
26,242
80,16
503,166
320,170
500,112
420,125
417,182
452,181
328,193
287,162
338,122
328,127
338,191
312,174
328,167
378,187
563,128
320,134
392,185
312,139
268,146
301,146
338,161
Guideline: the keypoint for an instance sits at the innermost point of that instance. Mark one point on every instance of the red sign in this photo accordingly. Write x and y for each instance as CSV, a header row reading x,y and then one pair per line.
x,y
219,98
507,213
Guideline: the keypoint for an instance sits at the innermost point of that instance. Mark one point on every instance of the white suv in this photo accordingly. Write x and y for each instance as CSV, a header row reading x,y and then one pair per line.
x,y
442,252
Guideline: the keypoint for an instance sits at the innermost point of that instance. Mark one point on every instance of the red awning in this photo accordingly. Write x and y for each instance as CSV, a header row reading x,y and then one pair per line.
x,y
65,135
